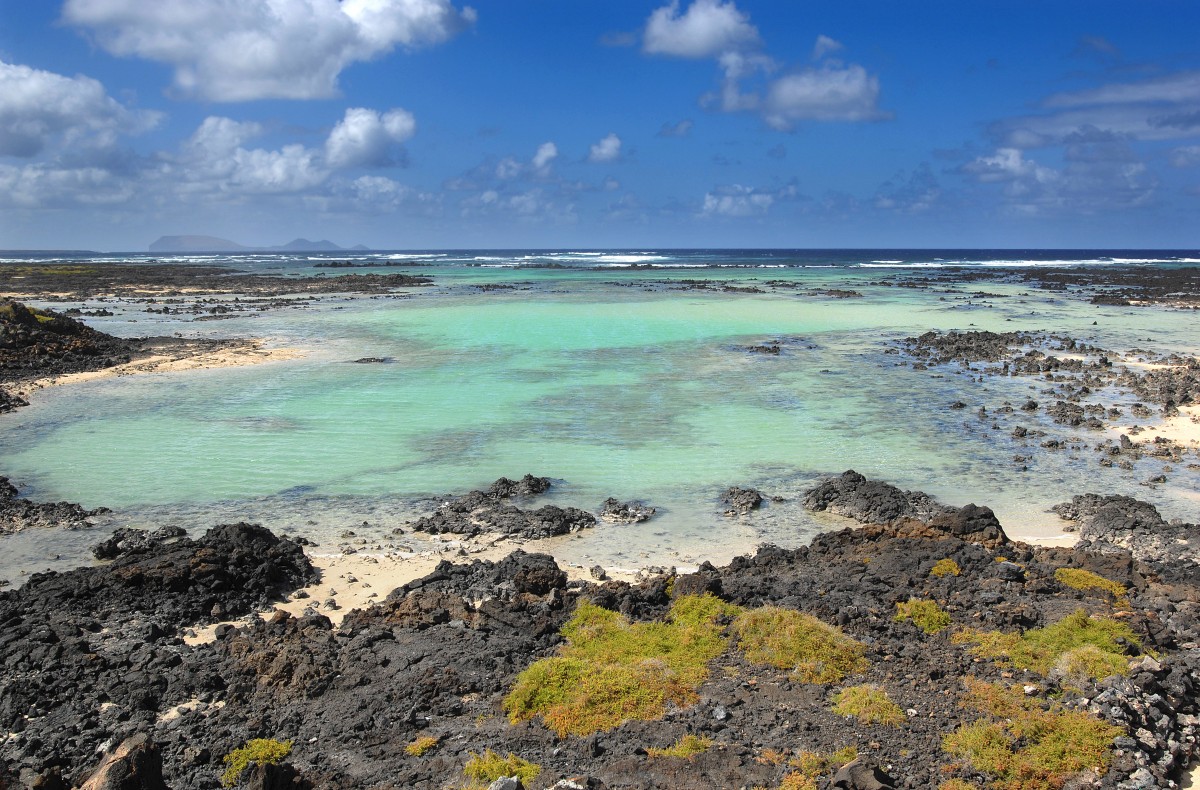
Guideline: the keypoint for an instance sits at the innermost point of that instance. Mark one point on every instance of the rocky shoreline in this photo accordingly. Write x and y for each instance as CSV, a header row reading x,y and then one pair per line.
x,y
94,660
104,685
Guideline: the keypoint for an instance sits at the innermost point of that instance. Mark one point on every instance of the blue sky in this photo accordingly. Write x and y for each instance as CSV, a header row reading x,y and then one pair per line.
x,y
576,123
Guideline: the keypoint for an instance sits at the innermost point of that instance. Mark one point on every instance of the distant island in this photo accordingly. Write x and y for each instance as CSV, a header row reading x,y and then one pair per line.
x,y
215,244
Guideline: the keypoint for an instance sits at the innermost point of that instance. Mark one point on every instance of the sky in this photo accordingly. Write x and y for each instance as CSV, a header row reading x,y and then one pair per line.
x,y
413,124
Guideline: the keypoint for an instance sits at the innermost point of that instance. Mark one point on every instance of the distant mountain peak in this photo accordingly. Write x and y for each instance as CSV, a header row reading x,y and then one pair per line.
x,y
195,243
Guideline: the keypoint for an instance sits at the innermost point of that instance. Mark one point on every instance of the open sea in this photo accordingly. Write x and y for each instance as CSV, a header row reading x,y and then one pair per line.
x,y
616,372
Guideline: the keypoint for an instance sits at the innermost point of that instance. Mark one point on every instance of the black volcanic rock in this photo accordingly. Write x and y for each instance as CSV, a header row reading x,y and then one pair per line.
x,y
478,512
17,513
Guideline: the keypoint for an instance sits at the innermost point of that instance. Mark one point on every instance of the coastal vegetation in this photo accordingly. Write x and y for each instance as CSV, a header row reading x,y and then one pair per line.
x,y
486,768
257,751
924,614
1025,743
868,704
611,670
813,651
945,567
1077,645
687,747
1080,579
420,746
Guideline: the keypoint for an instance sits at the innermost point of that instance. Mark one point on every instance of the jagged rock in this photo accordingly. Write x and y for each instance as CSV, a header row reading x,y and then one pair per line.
x,y
126,540
17,514
741,500
485,511
134,765
619,512
857,775
870,501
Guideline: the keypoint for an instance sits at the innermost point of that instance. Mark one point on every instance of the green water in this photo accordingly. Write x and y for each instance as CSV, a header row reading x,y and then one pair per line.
x,y
613,390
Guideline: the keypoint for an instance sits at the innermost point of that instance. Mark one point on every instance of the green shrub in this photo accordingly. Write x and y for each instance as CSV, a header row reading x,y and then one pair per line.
x,y
489,766
420,746
1026,745
945,567
1041,649
925,614
259,751
1079,579
787,639
869,704
686,747
612,670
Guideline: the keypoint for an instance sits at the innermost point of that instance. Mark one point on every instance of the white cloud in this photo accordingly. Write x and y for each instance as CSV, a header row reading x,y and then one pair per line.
x,y
240,50
708,28
364,138
546,153
736,200
218,138
825,94
824,46
1186,156
1173,88
607,150
1101,173
41,109
43,185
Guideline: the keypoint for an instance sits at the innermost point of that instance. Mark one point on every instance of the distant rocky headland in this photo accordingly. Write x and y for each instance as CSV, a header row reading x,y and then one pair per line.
x,y
216,244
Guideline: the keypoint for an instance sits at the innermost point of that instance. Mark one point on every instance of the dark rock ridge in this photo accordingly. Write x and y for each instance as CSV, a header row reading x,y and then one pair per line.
x,y
882,504
42,342
487,511
435,659
127,541
17,514
1123,523
618,512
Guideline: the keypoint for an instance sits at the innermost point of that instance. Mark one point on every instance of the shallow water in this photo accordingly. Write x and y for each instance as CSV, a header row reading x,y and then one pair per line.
x,y
616,384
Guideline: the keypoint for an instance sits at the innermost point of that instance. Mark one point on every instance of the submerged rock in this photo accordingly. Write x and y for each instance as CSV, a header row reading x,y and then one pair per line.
x,y
616,511
486,511
17,514
740,500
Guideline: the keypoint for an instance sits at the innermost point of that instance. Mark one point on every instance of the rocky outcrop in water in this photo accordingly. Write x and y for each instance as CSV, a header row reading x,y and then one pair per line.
x,y
17,513
881,504
615,511
740,501
488,511
1126,524
42,342
128,541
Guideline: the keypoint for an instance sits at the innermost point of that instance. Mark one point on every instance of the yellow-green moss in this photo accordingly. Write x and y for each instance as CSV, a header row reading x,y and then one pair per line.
x,y
945,567
1093,646
869,704
925,614
258,751
1079,579
686,747
786,639
612,670
797,781
1025,746
956,784
420,746
488,767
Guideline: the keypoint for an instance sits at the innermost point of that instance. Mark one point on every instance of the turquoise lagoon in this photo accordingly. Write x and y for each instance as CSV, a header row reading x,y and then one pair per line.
x,y
622,382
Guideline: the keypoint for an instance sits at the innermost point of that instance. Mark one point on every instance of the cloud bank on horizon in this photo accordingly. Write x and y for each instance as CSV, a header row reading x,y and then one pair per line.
x,y
430,123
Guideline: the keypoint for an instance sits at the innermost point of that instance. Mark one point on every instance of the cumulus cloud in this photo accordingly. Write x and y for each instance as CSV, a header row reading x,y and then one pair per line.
x,y
737,200
706,29
241,50
824,46
39,109
827,94
365,138
1101,172
607,150
546,153
713,29
51,185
